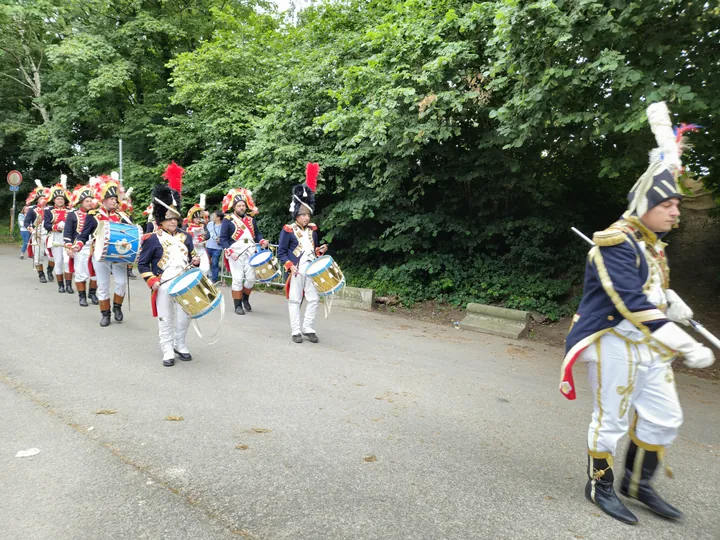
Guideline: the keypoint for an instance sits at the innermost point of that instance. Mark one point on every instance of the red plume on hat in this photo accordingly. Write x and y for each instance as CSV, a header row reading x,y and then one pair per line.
x,y
311,173
173,174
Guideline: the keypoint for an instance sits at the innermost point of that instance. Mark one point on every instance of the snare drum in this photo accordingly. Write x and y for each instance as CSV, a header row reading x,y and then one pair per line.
x,y
326,275
117,242
195,294
266,266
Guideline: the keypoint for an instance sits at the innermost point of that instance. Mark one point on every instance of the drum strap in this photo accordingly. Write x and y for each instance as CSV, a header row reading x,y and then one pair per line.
x,y
216,334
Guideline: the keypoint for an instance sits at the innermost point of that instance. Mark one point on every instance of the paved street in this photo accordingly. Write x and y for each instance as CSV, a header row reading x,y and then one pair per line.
x,y
387,429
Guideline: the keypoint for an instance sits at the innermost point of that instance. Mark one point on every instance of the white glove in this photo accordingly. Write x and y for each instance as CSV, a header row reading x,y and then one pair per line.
x,y
676,339
678,311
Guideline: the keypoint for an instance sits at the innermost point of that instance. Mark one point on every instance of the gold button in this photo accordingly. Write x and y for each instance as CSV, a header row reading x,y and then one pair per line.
x,y
611,318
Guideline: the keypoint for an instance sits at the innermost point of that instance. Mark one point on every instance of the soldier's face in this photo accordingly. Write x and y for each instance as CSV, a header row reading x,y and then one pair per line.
x,y
59,201
110,203
170,225
303,219
87,204
240,208
662,217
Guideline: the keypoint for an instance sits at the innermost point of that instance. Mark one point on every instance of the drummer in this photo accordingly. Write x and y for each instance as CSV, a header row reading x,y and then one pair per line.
x,y
107,190
296,250
166,253
239,234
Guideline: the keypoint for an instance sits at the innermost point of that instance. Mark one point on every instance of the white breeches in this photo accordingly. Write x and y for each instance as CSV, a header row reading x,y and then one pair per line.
x,y
82,264
204,259
243,275
625,374
60,256
39,252
173,324
103,270
298,284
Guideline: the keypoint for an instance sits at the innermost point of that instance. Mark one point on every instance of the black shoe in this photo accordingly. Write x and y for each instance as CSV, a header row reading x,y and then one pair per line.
x,y
169,363
117,311
641,489
312,337
246,302
297,338
105,319
68,287
42,277
83,298
185,357
130,273
93,298
22,257
61,286
51,275
238,307
599,490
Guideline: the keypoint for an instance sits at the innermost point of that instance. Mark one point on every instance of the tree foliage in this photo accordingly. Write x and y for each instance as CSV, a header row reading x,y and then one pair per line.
x,y
458,140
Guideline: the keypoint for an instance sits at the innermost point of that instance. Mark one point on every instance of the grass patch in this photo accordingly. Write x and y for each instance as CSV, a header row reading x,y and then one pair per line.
x,y
5,236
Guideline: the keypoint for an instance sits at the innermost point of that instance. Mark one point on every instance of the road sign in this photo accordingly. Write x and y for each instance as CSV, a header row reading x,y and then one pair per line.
x,y
14,178
14,188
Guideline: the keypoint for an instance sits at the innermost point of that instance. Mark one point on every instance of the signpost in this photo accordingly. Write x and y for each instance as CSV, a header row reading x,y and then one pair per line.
x,y
14,178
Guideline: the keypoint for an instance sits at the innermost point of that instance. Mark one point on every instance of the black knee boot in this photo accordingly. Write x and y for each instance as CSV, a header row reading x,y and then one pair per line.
x,y
238,306
42,277
600,490
61,285
92,296
640,466
83,298
246,301
69,287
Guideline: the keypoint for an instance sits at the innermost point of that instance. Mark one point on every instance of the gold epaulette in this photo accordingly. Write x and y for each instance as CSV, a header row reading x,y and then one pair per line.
x,y
93,212
609,237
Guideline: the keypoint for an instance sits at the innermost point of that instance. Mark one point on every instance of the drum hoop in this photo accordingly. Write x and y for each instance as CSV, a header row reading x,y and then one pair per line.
x,y
260,253
214,304
334,289
324,268
188,287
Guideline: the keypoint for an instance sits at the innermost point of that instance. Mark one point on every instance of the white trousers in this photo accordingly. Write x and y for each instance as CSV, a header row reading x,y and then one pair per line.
x,y
625,374
173,324
60,256
103,271
82,267
243,275
299,284
204,259
39,251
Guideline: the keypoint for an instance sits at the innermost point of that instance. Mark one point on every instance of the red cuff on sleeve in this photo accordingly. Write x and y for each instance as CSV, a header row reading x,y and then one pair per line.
x,y
152,281
288,265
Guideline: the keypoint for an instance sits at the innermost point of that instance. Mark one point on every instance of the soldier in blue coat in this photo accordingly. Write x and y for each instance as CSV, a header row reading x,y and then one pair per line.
x,y
297,248
626,330
165,255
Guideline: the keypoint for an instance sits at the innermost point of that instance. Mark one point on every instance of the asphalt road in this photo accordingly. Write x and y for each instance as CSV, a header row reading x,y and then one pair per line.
x,y
387,429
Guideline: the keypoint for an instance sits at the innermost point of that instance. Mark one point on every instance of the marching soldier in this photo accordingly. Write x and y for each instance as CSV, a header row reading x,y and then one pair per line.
x,y
196,228
34,223
54,223
627,331
107,190
165,255
297,248
239,234
82,200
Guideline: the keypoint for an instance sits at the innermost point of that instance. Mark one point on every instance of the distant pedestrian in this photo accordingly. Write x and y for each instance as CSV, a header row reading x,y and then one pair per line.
x,y
213,246
24,233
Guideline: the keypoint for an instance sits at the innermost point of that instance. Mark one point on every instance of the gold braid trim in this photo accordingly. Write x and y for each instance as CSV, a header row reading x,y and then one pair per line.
x,y
607,284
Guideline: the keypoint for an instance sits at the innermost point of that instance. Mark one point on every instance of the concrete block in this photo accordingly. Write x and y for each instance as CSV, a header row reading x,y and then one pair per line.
x,y
509,323
355,298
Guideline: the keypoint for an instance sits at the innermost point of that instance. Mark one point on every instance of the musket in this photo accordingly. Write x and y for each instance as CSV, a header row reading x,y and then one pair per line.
x,y
699,328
